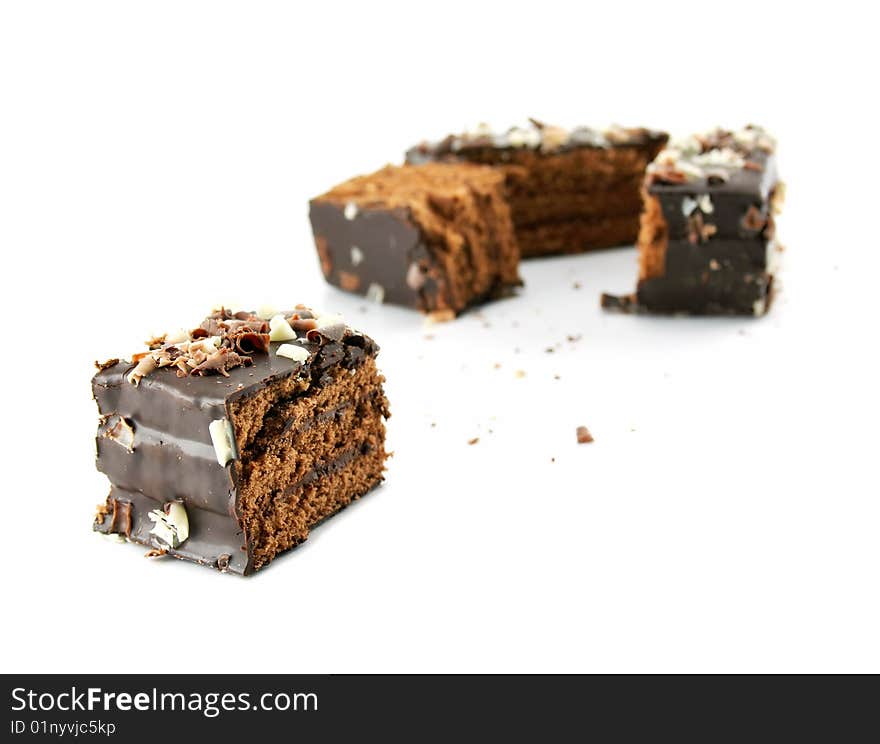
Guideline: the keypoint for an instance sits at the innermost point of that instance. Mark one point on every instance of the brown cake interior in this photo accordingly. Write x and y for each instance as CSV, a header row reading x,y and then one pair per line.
x,y
465,221
573,200
653,239
305,453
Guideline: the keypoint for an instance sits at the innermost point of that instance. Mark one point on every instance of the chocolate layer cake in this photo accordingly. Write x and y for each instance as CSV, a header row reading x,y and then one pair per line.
x,y
569,191
436,237
706,244
226,444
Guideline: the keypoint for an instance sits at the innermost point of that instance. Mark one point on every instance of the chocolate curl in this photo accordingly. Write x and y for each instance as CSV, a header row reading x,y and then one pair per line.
x,y
334,332
220,361
302,324
250,343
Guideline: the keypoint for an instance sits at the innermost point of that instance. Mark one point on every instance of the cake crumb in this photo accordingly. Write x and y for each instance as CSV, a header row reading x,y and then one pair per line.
x,y
474,440
583,435
520,373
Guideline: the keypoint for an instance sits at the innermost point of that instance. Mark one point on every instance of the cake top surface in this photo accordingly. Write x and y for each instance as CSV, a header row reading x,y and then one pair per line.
x,y
231,353
725,160
536,136
404,185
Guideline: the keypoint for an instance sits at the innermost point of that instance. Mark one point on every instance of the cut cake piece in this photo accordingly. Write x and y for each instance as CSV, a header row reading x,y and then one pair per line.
x,y
569,191
707,239
227,444
436,237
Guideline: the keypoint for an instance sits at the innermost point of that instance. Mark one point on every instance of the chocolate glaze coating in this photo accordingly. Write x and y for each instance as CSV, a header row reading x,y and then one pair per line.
x,y
172,455
717,227
489,147
389,243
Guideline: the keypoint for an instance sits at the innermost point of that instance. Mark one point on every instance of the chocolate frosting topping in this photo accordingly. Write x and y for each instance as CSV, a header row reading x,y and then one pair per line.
x,y
537,136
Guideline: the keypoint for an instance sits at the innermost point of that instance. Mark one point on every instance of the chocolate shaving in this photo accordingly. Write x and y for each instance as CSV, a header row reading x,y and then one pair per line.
x,y
118,429
753,220
627,303
666,175
698,230
106,365
213,326
101,511
303,324
717,177
224,340
120,518
156,342
221,361
248,342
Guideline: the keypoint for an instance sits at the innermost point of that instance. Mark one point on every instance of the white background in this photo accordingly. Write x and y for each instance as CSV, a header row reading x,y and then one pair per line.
x,y
157,158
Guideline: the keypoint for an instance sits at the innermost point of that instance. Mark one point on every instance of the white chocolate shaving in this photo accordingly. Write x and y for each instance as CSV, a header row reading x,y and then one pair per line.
x,y
223,440
172,525
280,330
143,368
350,211
293,352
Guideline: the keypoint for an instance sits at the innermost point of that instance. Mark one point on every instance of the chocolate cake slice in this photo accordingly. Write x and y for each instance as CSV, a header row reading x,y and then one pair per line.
x,y
436,237
569,191
706,244
227,444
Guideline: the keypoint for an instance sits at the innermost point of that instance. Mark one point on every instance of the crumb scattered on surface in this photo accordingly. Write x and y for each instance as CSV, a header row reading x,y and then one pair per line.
x,y
576,285
574,337
155,553
497,365
429,336
557,377
520,373
583,435
474,440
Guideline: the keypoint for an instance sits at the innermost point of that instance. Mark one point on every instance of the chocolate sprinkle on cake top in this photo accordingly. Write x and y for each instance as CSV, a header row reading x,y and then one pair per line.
x,y
538,136
712,157
225,340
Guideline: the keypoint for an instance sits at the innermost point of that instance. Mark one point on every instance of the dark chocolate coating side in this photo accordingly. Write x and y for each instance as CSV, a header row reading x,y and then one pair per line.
x,y
377,247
